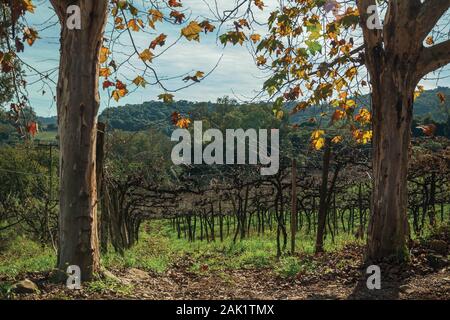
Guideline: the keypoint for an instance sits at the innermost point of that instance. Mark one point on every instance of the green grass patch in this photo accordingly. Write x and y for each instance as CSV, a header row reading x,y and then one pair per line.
x,y
108,286
23,255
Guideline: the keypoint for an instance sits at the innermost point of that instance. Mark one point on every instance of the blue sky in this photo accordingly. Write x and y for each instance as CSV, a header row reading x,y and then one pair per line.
x,y
236,75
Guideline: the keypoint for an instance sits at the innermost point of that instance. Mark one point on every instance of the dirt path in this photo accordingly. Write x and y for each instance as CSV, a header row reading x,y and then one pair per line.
x,y
337,275
251,284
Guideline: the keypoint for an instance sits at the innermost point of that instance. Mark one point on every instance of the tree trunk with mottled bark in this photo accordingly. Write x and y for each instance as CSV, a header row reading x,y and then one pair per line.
x,y
78,103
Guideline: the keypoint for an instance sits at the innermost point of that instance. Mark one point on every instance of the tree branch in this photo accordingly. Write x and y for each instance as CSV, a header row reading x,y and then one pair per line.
x,y
430,13
433,58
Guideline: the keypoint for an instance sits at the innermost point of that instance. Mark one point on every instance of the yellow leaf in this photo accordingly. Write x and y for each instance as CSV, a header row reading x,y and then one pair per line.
x,y
28,5
261,60
364,116
166,97
199,74
119,93
338,115
318,143
104,53
279,114
317,134
255,37
192,31
337,139
146,55
104,72
140,81
183,123
350,73
418,92
133,24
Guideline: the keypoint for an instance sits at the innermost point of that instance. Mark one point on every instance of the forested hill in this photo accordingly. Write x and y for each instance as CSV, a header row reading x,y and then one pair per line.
x,y
157,114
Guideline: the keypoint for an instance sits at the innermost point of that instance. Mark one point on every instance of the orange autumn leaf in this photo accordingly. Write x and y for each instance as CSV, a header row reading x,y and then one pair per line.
x,y
174,3
338,115
159,40
30,35
183,123
104,53
104,72
32,128
178,16
146,55
428,130
192,31
255,37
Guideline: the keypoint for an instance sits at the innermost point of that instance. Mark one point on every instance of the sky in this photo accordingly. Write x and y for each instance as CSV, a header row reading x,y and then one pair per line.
x,y
236,74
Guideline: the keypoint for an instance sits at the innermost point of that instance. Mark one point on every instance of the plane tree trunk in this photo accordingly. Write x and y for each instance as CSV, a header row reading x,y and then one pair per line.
x,y
77,105
396,60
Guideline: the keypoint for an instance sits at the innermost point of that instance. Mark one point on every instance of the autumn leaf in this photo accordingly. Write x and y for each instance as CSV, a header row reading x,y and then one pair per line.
x,y
428,130
441,97
363,116
174,3
107,84
155,16
183,123
140,81
361,136
32,128
317,139
104,53
178,16
299,107
192,31
350,73
146,55
255,37
166,97
418,92
429,40
121,90
135,24
28,4
338,115
261,60
30,35
337,139
259,4
104,72
207,26
159,40
279,114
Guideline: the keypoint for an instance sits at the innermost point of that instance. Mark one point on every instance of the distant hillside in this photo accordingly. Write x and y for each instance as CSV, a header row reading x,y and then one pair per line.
x,y
157,114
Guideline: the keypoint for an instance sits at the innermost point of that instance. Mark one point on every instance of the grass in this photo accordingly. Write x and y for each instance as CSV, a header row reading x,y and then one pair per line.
x,y
23,255
159,249
108,285
46,136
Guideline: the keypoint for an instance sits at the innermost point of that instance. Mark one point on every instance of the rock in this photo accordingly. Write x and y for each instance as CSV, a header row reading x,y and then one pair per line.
x,y
436,261
25,287
138,274
109,275
405,289
438,246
